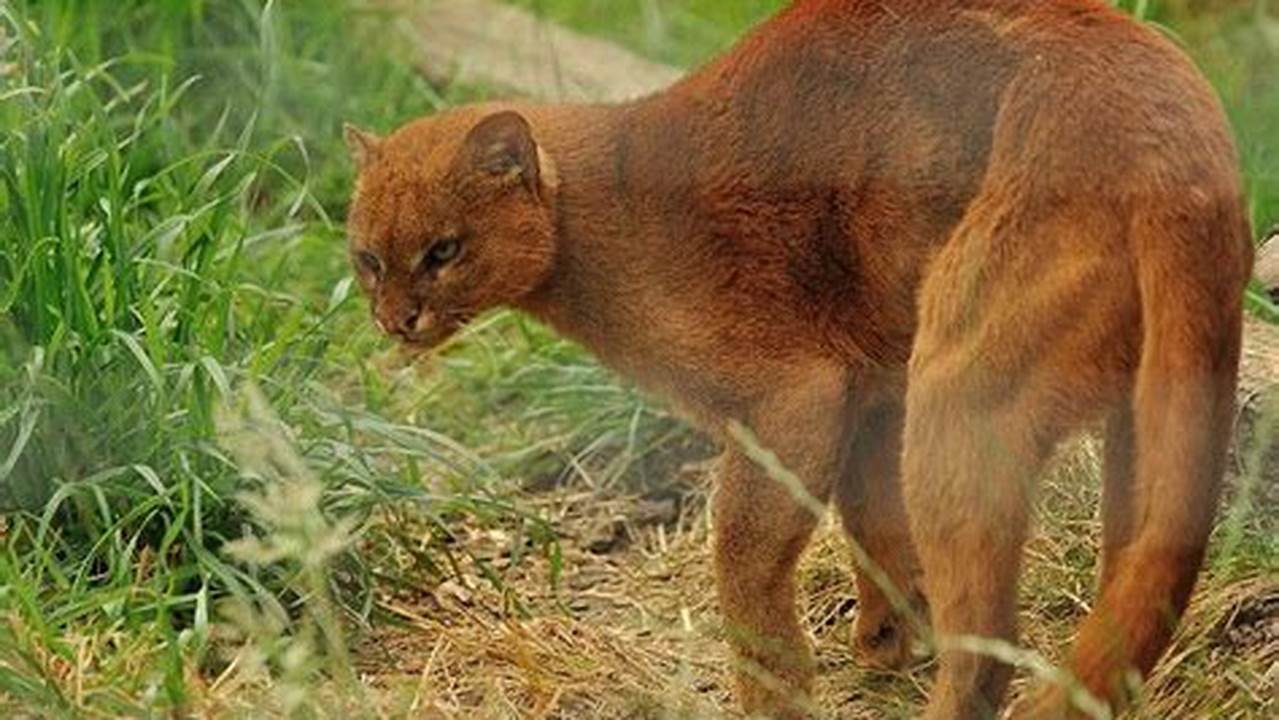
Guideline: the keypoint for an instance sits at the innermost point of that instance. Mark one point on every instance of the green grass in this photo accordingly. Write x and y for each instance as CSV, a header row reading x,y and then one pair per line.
x,y
675,32
169,174
170,234
171,189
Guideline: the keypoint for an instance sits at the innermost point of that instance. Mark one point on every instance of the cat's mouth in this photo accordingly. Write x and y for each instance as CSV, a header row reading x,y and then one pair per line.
x,y
427,337
429,340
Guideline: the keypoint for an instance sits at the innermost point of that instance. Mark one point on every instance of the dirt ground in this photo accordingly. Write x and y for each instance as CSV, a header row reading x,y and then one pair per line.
x,y
632,630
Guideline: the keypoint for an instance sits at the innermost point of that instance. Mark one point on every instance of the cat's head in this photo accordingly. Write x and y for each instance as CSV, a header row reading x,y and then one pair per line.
x,y
452,215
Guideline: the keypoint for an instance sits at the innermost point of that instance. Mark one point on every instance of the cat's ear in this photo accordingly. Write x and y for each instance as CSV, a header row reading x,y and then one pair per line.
x,y
502,146
365,147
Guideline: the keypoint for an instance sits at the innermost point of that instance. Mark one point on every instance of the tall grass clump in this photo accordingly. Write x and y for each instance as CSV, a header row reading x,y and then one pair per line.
x,y
164,240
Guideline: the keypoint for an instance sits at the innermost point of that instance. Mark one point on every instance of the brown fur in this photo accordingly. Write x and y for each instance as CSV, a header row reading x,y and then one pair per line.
x,y
922,238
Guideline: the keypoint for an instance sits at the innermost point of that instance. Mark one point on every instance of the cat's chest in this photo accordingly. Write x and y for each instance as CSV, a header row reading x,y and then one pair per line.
x,y
699,350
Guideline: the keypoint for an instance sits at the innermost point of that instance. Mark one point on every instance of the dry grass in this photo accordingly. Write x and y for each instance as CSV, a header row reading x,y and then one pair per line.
x,y
633,630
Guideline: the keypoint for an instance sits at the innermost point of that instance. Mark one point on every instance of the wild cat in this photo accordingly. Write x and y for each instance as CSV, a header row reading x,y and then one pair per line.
x,y
911,245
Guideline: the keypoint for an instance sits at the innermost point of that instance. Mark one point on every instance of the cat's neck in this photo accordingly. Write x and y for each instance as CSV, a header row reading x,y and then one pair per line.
x,y
603,232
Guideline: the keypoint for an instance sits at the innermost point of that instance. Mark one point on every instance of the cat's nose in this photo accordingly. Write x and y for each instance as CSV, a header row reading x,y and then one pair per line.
x,y
399,321
408,322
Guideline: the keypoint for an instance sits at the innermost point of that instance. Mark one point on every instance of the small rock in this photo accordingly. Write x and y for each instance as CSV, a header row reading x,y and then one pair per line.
x,y
607,537
1267,265
451,590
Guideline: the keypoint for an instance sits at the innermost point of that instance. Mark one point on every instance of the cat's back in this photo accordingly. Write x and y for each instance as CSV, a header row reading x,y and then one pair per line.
x,y
853,75
910,94
838,144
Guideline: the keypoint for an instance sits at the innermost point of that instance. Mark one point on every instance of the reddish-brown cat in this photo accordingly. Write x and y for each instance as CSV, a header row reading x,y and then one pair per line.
x,y
912,245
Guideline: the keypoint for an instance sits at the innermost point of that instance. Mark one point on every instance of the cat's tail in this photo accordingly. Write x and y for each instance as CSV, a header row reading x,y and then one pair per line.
x,y
1195,258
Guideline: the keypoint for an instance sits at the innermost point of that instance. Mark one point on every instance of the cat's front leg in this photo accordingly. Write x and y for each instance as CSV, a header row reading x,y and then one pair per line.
x,y
763,521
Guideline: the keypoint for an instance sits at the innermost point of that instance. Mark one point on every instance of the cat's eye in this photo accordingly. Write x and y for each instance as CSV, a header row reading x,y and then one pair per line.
x,y
369,263
442,252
